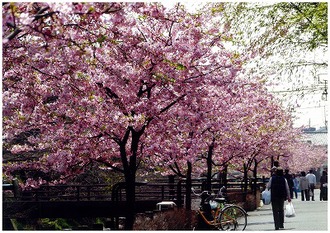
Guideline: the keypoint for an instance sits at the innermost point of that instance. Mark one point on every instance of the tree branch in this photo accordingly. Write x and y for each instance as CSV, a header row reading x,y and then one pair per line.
x,y
108,164
310,21
173,103
13,34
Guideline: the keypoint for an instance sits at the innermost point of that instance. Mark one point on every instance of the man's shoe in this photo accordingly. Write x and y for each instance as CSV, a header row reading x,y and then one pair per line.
x,y
277,228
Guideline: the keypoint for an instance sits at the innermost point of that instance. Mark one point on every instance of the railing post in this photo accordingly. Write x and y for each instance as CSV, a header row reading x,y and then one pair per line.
x,y
16,188
179,194
171,186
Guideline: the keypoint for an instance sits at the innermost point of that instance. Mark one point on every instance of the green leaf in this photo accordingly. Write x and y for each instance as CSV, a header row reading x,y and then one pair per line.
x,y
101,39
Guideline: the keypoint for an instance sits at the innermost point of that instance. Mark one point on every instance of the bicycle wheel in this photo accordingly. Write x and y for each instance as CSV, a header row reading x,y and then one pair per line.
x,y
233,218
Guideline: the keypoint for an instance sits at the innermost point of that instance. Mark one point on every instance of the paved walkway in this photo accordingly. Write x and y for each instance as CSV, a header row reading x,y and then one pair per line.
x,y
310,216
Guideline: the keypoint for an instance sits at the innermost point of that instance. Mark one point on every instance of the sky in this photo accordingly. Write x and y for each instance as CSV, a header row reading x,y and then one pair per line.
x,y
312,116
303,95
312,113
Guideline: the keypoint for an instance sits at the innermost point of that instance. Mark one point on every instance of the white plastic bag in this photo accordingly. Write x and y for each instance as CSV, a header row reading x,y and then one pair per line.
x,y
261,203
289,210
213,204
266,197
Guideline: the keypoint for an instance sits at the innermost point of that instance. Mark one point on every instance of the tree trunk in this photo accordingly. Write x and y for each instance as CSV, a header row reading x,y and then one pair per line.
x,y
245,182
255,177
224,173
271,165
188,186
130,201
209,166
130,167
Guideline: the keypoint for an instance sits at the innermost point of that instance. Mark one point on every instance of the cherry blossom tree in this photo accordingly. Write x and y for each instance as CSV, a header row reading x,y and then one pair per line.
x,y
91,78
258,127
304,156
241,125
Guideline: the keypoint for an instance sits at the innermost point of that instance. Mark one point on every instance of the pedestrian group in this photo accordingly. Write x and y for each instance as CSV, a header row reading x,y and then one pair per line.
x,y
285,186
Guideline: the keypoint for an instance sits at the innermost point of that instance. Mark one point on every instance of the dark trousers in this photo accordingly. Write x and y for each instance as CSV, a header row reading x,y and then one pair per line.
x,y
305,194
278,212
324,194
291,192
311,190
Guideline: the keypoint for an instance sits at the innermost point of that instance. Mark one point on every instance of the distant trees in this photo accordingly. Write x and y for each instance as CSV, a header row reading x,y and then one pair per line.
x,y
304,157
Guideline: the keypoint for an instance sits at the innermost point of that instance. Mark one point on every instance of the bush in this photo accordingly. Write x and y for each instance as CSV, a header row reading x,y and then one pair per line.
x,y
175,219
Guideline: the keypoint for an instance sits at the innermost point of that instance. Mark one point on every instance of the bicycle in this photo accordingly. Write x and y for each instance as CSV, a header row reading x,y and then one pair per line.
x,y
216,213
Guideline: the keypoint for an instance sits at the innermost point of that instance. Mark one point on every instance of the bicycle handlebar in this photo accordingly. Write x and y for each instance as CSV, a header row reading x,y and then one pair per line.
x,y
221,190
200,194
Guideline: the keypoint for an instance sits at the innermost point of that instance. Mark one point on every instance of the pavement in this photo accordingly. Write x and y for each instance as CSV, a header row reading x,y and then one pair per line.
x,y
310,216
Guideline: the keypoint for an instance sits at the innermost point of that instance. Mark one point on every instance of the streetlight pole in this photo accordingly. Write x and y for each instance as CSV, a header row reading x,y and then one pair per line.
x,y
325,92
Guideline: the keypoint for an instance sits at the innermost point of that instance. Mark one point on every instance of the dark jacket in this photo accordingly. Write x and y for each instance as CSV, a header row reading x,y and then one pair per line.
x,y
289,179
323,180
279,188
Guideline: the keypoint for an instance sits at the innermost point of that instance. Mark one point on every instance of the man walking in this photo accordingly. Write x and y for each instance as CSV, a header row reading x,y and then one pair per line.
x,y
311,183
289,179
279,193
